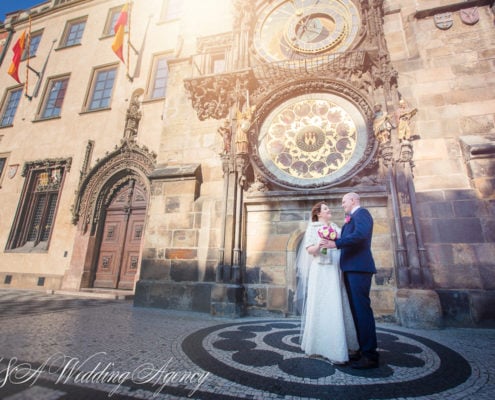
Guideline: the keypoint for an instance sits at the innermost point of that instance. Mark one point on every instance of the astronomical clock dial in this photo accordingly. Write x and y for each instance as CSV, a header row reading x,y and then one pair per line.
x,y
298,29
312,140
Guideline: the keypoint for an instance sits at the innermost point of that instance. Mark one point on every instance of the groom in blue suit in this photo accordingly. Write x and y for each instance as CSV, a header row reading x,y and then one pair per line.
x,y
356,261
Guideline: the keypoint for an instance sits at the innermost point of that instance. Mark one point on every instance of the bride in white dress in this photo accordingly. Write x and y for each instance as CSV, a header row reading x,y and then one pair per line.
x,y
327,327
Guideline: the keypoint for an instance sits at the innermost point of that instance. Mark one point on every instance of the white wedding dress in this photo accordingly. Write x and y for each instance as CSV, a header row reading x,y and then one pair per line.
x,y
327,325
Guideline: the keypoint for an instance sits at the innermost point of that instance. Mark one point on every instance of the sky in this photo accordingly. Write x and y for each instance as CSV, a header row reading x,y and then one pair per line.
x,y
14,5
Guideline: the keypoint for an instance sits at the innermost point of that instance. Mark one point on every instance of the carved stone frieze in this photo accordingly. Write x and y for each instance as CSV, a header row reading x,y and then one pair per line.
x,y
406,152
260,185
309,86
359,68
214,95
366,66
211,43
49,163
127,160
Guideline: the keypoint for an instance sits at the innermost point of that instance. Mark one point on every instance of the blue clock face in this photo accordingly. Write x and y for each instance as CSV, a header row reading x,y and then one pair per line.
x,y
298,29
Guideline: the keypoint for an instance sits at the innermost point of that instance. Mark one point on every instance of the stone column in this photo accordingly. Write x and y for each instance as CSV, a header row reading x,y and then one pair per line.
x,y
417,305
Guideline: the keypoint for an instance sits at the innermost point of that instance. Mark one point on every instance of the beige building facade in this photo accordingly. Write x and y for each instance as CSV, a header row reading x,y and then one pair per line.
x,y
186,175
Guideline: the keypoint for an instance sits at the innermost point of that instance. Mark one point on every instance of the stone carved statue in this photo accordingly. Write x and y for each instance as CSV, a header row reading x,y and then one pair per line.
x,y
404,115
133,116
226,133
382,125
244,120
259,185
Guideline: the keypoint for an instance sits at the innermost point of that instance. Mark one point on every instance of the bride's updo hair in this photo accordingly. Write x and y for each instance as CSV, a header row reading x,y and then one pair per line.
x,y
316,210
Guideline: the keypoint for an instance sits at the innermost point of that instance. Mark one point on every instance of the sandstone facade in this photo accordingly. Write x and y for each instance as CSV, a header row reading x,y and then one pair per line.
x,y
188,172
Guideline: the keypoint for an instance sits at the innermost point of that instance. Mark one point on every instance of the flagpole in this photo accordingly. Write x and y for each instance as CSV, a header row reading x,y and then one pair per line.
x,y
26,84
137,69
129,7
41,73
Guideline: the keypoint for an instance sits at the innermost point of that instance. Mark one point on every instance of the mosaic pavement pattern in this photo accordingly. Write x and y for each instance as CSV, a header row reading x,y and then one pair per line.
x,y
265,355
195,356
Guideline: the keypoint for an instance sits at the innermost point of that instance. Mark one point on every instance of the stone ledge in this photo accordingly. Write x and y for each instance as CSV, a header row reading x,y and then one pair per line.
x,y
417,308
224,300
428,11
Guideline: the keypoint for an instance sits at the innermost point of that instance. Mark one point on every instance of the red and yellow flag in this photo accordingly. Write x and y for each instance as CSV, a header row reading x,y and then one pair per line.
x,y
18,49
119,30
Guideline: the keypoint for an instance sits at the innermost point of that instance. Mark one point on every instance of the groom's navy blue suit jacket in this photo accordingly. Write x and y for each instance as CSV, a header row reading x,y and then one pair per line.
x,y
355,243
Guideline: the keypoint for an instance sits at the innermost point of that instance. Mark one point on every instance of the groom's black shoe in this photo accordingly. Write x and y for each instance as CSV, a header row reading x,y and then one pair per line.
x,y
365,363
354,356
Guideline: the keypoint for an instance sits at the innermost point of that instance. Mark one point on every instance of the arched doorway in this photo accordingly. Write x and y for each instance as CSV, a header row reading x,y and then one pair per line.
x,y
111,200
123,226
293,276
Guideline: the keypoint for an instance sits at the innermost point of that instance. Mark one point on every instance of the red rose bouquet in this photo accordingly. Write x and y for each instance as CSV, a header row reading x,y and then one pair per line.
x,y
327,232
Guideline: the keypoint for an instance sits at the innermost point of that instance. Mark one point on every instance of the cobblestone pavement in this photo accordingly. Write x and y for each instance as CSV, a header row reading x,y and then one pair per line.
x,y
61,347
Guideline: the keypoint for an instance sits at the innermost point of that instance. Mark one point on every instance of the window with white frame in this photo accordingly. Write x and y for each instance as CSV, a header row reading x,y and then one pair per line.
x,y
217,65
9,105
172,9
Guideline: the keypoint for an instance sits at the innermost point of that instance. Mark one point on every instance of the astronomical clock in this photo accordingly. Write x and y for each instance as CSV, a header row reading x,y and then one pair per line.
x,y
314,133
312,140
298,29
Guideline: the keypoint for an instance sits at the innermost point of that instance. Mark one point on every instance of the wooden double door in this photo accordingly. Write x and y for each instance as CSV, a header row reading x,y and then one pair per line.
x,y
120,246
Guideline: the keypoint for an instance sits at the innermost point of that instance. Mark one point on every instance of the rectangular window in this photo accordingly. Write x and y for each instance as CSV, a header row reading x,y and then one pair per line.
x,y
3,166
172,9
12,98
54,97
33,223
113,15
59,2
73,32
101,88
217,63
34,42
3,161
159,78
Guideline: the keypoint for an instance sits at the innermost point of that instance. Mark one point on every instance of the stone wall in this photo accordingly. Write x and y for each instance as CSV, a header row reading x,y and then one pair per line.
x,y
459,232
447,72
275,225
448,75
177,253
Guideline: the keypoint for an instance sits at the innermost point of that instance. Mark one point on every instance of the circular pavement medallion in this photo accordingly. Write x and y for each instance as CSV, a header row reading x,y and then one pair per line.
x,y
265,355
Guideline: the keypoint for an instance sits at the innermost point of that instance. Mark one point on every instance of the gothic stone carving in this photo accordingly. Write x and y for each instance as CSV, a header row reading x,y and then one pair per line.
x,y
128,159
213,96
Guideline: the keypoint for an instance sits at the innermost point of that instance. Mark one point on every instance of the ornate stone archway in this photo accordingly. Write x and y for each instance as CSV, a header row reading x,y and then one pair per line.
x,y
97,188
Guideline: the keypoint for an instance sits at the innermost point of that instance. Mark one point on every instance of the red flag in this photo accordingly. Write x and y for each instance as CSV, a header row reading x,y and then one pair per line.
x,y
119,29
16,60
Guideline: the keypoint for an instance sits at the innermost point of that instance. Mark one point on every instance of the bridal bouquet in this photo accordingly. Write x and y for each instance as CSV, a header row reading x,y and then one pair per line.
x,y
327,232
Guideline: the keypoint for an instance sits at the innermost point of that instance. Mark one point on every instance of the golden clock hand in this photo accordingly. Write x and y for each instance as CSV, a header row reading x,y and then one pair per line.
x,y
307,18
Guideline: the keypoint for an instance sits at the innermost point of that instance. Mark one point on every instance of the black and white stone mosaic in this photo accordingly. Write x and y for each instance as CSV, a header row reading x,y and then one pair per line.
x,y
265,355
249,358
